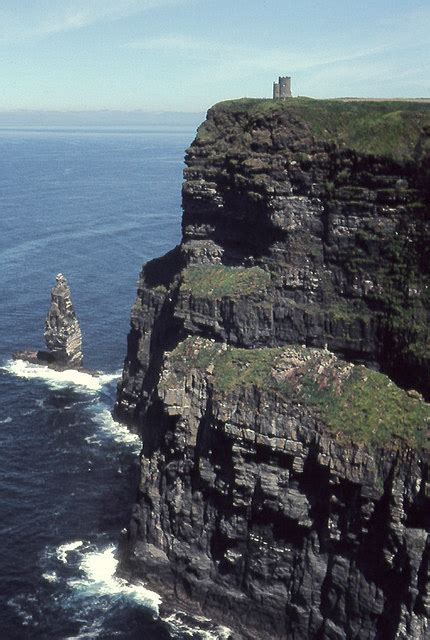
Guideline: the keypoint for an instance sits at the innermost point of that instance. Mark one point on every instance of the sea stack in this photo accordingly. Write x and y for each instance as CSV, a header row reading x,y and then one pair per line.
x,y
62,331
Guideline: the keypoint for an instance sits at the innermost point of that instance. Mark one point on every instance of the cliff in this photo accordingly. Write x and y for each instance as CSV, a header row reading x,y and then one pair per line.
x,y
275,367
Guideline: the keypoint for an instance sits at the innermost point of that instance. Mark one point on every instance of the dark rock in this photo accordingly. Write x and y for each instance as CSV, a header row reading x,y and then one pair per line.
x,y
62,332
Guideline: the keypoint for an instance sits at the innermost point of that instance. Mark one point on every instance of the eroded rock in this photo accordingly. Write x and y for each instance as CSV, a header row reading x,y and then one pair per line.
x,y
62,331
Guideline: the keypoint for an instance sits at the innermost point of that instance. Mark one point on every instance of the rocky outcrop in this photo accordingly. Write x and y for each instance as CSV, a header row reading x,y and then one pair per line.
x,y
284,485
255,504
62,332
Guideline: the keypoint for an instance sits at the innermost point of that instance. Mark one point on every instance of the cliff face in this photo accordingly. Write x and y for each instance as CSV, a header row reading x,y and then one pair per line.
x,y
284,489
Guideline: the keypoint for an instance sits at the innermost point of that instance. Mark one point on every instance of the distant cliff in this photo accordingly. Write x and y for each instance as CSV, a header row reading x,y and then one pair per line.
x,y
284,485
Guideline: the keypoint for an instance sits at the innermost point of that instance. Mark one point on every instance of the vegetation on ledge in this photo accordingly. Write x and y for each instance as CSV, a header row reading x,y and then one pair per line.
x,y
217,281
354,401
381,127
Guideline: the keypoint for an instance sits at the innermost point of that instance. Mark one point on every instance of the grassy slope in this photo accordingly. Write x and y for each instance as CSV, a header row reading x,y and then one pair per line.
x,y
354,402
387,128
217,281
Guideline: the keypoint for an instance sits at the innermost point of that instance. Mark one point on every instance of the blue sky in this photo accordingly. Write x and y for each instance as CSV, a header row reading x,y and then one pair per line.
x,y
188,54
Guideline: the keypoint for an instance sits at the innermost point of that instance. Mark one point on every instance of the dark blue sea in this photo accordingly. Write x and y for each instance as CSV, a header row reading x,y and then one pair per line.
x,y
93,204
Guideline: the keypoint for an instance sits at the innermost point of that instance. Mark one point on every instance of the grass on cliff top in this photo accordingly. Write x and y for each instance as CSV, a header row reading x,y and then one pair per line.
x,y
354,402
381,127
216,281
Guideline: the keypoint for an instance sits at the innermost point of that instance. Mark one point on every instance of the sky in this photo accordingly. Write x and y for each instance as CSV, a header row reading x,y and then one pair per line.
x,y
185,55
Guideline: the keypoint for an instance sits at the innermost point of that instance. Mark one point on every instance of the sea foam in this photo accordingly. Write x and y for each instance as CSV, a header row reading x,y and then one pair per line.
x,y
98,569
50,577
58,379
182,625
64,549
119,432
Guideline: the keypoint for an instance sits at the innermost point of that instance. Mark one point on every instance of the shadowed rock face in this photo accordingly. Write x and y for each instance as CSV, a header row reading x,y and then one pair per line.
x,y
62,330
284,489
252,506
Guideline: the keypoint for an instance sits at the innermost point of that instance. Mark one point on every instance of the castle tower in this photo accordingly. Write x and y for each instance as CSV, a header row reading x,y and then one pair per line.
x,y
282,88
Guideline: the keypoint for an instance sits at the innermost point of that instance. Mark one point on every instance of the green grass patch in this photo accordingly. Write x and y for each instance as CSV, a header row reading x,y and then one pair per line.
x,y
356,403
218,281
195,353
385,128
370,408
244,367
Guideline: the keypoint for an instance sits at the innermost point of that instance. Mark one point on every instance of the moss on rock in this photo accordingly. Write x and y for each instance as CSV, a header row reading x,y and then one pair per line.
x,y
217,281
353,401
384,127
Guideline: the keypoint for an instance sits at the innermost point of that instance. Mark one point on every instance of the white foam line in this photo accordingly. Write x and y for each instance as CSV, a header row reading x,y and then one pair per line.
x,y
92,632
183,628
98,578
64,549
58,379
50,577
7,420
99,569
119,432
93,440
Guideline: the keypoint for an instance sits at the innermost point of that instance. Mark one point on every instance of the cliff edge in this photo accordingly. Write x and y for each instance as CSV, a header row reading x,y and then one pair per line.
x,y
278,370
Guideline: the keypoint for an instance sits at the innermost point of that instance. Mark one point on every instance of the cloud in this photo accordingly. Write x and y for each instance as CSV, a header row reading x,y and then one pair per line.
x,y
172,42
46,17
400,32
381,62
242,58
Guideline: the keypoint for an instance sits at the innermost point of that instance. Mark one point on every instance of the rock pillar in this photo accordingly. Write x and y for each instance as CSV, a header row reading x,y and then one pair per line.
x,y
62,331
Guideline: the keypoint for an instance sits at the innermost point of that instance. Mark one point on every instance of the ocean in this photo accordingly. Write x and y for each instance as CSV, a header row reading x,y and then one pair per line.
x,y
93,204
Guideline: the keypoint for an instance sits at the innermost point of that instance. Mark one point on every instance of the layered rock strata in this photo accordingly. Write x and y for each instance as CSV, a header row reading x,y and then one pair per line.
x,y
259,501
62,332
284,489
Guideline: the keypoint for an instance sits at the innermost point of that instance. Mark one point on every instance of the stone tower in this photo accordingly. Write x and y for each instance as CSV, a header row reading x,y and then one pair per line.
x,y
282,88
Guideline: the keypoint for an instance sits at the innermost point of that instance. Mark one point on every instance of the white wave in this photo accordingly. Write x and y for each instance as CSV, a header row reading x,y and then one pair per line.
x,y
7,420
91,632
98,579
93,440
50,577
119,432
182,625
224,633
64,549
58,379
99,567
